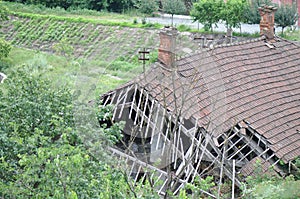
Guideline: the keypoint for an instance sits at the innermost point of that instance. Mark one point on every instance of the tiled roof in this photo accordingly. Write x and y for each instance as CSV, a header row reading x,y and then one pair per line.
x,y
257,166
255,81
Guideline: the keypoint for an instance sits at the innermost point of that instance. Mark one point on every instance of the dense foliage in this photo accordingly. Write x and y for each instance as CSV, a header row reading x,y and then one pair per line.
x,y
4,45
146,6
41,154
5,48
207,12
111,5
270,185
233,13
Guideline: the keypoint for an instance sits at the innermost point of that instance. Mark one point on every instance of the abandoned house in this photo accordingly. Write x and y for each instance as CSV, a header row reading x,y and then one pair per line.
x,y
214,112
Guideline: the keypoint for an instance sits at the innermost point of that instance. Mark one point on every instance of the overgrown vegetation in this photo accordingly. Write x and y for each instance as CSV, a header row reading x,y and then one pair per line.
x,y
44,154
269,185
4,45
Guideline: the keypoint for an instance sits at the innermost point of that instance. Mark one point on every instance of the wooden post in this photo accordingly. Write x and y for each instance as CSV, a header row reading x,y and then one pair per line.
x,y
233,178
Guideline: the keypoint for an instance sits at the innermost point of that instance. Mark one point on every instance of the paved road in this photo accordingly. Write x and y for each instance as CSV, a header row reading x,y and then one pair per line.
x,y
165,19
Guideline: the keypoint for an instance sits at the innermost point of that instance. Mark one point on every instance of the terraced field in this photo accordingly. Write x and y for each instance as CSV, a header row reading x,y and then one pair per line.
x,y
89,40
103,56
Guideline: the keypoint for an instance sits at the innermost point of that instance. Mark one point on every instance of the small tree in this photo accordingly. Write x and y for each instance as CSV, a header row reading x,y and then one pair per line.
x,y
173,7
5,48
286,15
207,12
64,48
146,6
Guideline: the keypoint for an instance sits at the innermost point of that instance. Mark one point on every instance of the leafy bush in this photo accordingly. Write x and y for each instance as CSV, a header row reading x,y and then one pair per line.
x,y
270,186
146,6
183,28
123,66
41,154
5,48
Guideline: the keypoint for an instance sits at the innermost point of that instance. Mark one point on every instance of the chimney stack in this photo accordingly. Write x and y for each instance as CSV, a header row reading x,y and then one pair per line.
x,y
267,27
166,51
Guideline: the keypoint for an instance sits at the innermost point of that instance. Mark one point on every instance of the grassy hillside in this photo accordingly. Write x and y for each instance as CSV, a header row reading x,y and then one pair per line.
x,y
83,51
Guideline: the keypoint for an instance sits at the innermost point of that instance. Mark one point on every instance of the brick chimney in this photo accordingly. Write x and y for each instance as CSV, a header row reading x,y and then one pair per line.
x,y
267,27
166,50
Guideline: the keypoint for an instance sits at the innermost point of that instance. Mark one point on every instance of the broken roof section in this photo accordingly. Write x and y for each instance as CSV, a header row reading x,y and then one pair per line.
x,y
233,102
248,81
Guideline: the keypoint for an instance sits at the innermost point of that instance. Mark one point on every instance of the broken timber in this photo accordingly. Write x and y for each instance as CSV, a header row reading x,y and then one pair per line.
x,y
166,145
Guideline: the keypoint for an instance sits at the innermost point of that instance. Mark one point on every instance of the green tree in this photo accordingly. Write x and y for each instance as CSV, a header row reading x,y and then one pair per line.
x,y
41,154
251,14
173,7
286,15
233,13
207,12
146,6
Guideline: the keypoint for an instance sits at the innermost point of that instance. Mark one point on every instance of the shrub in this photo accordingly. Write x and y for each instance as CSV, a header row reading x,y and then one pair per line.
x,y
5,48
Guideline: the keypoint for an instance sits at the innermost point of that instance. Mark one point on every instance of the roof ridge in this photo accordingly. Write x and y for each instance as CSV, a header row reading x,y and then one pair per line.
x,y
212,47
263,37
289,41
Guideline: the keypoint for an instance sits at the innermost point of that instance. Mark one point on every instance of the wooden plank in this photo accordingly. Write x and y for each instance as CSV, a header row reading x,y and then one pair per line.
x,y
124,101
154,126
138,107
132,103
137,174
115,109
149,118
233,179
145,107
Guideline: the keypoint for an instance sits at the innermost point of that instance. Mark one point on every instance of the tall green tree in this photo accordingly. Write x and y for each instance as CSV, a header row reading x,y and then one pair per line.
x,y
207,12
233,13
286,15
251,13
173,7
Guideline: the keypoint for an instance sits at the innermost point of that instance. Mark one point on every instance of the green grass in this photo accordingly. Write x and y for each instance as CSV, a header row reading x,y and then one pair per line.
x,y
76,16
291,35
40,9
79,75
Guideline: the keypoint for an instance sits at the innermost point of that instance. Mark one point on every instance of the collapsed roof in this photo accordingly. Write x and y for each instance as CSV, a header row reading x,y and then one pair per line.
x,y
234,102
